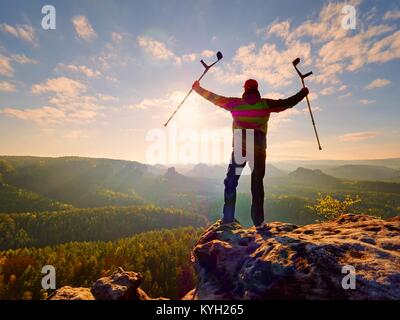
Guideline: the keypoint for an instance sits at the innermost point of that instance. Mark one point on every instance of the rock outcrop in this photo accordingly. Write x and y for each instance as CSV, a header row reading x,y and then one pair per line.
x,y
69,293
121,285
285,261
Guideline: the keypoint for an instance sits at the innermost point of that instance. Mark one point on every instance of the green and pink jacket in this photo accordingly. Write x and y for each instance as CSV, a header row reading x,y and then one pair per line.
x,y
251,112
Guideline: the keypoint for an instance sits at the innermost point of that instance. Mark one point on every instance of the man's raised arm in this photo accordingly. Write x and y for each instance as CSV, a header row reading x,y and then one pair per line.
x,y
216,99
283,104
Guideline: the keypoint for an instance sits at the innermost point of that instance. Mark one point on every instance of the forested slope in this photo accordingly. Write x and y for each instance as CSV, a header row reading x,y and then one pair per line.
x,y
109,223
161,256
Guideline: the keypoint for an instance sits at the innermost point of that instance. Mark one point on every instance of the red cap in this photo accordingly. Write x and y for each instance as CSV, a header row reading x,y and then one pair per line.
x,y
250,84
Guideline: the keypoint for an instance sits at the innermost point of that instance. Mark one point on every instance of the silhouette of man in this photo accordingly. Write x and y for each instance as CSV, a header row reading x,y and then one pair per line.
x,y
249,112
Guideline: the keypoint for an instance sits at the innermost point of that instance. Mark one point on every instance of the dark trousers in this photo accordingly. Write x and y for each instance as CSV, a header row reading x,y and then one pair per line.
x,y
257,166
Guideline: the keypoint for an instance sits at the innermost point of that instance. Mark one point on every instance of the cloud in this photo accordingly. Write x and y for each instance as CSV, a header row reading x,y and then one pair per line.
x,y
78,109
351,52
274,95
328,24
392,15
377,83
189,57
328,91
61,109
266,63
148,103
24,32
339,50
6,86
61,85
385,49
83,28
157,49
366,101
6,68
208,53
328,73
194,56
112,55
281,29
90,73
43,115
359,136
333,89
23,59
346,95
169,101
280,119
116,37
324,27
107,98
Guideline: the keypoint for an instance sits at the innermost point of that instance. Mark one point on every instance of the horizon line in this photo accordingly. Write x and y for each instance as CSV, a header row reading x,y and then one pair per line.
x,y
189,163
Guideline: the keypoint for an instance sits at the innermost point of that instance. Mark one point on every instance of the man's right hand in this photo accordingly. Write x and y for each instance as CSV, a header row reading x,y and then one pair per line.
x,y
196,85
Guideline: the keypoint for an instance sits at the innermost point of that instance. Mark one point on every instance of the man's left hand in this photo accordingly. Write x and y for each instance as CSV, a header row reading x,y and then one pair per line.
x,y
305,91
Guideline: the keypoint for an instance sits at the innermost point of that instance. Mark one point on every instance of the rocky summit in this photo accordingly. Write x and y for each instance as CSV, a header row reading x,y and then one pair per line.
x,y
352,257
285,261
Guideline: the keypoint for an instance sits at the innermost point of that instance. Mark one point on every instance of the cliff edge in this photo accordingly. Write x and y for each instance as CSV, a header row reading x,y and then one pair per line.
x,y
285,261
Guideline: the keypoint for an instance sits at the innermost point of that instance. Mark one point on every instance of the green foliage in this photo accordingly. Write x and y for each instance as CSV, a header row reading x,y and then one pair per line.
x,y
285,208
109,223
161,256
384,202
14,199
330,208
105,197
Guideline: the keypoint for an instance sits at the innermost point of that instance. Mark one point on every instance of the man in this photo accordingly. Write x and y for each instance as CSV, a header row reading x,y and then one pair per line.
x,y
249,112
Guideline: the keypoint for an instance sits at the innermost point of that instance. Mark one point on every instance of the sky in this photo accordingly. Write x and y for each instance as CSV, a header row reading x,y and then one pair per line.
x,y
105,80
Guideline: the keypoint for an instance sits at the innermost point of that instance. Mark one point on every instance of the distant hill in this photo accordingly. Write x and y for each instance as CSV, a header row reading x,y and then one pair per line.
x,y
175,182
291,165
273,171
204,170
82,182
91,182
363,172
391,163
312,177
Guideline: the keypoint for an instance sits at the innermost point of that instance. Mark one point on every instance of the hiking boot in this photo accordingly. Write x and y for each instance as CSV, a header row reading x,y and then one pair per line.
x,y
261,226
230,225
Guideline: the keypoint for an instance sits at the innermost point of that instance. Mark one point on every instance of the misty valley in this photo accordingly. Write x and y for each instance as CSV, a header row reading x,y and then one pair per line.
x,y
88,216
